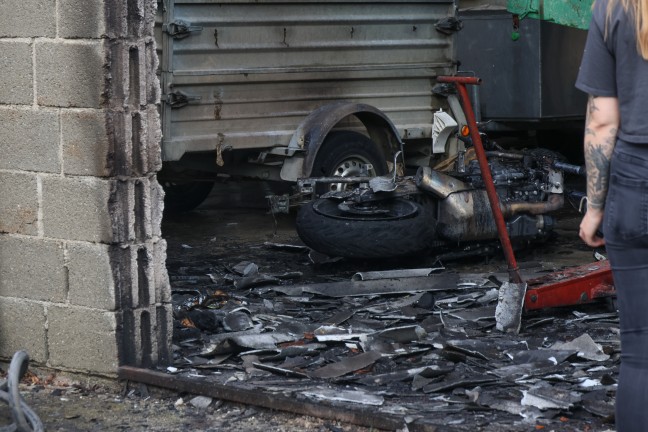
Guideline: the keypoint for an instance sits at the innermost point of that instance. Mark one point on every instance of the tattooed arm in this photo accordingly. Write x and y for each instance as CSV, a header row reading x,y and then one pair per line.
x,y
601,124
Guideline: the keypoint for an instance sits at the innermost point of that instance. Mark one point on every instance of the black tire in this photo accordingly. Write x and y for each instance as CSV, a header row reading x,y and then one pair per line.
x,y
342,153
407,228
185,196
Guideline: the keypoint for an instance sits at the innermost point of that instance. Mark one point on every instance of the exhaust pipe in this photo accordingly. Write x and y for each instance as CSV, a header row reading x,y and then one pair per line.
x,y
554,202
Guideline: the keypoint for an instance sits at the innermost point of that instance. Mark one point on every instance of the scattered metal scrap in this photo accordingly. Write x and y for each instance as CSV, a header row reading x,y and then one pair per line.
x,y
415,353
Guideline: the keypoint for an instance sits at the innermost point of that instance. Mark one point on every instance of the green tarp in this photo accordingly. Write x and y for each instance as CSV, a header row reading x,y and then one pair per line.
x,y
572,13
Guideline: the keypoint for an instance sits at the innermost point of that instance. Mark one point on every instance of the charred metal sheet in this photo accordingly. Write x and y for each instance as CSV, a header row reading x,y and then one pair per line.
x,y
374,287
459,381
545,396
423,356
389,274
585,346
347,365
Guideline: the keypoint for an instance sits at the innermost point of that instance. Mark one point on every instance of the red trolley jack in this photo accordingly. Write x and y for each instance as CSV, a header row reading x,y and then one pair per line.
x,y
572,286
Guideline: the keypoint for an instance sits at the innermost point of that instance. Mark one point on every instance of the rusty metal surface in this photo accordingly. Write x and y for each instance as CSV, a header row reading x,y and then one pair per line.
x,y
253,70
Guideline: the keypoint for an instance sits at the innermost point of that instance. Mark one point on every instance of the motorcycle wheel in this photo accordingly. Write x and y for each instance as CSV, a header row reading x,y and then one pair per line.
x,y
390,228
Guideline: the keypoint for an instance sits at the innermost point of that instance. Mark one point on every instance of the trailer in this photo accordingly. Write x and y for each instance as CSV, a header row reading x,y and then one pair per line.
x,y
291,89
281,90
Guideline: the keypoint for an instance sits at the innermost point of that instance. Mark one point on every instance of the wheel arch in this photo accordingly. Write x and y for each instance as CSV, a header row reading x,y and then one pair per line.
x,y
313,130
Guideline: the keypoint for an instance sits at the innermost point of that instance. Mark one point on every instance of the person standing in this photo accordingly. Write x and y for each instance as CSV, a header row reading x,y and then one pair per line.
x,y
614,72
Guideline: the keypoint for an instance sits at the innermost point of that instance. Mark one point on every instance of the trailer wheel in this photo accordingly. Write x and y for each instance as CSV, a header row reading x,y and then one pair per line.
x,y
384,229
185,196
342,154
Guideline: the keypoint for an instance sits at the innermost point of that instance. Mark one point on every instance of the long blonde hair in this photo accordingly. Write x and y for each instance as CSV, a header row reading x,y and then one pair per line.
x,y
638,9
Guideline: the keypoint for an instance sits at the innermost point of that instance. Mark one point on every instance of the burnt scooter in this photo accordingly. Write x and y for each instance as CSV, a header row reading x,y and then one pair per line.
x,y
444,205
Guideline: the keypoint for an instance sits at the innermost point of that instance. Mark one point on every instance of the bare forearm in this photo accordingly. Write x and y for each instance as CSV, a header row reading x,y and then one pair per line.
x,y
600,136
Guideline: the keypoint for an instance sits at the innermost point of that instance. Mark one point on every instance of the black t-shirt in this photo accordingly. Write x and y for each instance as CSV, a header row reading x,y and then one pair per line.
x,y
613,67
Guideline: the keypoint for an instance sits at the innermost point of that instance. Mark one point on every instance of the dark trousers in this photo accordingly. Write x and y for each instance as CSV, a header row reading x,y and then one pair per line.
x,y
625,227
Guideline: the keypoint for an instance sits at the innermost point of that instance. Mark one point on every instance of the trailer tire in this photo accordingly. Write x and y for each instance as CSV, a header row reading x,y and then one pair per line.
x,y
342,153
407,228
181,197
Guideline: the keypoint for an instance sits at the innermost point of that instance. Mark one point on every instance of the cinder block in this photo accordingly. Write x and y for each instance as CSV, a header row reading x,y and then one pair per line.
x,y
150,12
69,74
119,125
90,276
32,269
165,334
19,203
16,79
81,18
77,208
29,140
122,210
154,139
135,269
28,18
161,276
152,63
138,338
115,18
137,74
116,93
135,16
86,147
23,328
138,140
82,339
143,213
124,264
157,207
145,277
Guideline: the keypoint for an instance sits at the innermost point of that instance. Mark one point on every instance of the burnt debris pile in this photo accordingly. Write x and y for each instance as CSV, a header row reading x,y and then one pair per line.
x,y
414,348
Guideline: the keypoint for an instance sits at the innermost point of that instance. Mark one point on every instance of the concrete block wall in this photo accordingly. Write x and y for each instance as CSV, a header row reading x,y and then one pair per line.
x,y
83,283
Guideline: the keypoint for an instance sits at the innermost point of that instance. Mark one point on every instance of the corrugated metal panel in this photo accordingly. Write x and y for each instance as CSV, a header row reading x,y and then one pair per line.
x,y
254,70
